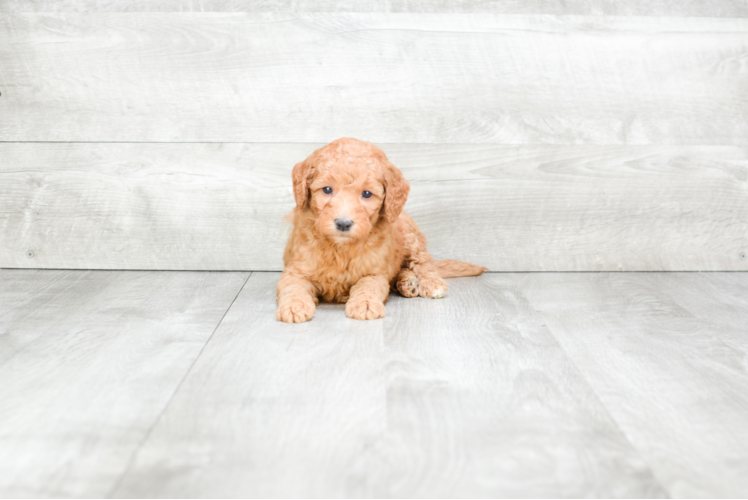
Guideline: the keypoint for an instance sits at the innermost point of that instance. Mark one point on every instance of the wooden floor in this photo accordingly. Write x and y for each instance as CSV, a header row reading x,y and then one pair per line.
x,y
171,384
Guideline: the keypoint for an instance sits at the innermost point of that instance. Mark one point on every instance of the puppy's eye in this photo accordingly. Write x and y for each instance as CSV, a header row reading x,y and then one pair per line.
x,y
327,190
367,194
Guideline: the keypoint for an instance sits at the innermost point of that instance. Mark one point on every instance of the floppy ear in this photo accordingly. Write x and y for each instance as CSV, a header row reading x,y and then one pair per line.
x,y
301,174
396,190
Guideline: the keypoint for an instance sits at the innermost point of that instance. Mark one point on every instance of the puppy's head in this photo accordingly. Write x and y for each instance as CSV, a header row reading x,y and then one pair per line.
x,y
349,186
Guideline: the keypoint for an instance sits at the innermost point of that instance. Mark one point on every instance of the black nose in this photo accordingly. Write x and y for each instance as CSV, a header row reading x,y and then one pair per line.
x,y
343,225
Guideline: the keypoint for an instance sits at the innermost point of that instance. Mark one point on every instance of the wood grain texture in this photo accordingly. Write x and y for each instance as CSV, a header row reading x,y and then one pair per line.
x,y
709,8
388,78
664,364
270,409
522,385
482,402
88,360
510,208
717,300
443,398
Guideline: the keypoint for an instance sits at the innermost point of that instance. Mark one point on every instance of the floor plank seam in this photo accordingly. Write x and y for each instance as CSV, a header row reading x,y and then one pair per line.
x,y
147,435
605,408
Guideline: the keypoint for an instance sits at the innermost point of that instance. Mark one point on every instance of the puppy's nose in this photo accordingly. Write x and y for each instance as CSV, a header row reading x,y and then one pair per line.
x,y
343,224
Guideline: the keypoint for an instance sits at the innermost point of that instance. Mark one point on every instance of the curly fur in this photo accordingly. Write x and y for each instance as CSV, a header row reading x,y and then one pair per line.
x,y
382,250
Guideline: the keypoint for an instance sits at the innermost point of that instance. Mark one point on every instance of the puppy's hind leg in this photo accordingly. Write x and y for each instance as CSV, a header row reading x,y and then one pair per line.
x,y
420,262
430,284
407,283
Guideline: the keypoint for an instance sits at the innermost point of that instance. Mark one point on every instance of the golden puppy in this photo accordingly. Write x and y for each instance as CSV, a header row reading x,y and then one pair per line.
x,y
351,241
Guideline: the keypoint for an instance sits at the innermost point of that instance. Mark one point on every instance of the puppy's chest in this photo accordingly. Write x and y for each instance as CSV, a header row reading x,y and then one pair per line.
x,y
335,288
334,282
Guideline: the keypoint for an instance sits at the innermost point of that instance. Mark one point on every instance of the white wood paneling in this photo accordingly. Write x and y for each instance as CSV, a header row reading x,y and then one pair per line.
x,y
671,373
397,78
510,208
88,361
447,398
709,8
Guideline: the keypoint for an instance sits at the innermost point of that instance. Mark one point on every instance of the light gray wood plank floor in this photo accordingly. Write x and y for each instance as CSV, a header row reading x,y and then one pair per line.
x,y
167,384
88,360
668,357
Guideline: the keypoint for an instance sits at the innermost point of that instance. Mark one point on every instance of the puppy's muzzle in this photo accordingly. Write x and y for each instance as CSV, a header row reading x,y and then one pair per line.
x,y
343,224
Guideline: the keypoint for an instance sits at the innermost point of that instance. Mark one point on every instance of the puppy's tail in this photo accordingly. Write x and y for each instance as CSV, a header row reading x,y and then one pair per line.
x,y
457,269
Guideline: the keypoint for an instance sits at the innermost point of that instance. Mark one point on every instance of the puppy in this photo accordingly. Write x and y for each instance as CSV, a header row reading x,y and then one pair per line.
x,y
351,241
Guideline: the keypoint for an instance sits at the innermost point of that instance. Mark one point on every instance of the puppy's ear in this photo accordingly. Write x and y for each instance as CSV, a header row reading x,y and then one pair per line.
x,y
302,172
396,190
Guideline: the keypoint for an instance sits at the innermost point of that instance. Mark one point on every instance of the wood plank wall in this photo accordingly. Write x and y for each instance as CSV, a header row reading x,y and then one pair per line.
x,y
537,136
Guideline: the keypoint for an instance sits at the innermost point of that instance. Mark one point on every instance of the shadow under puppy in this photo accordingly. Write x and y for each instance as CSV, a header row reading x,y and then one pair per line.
x,y
351,240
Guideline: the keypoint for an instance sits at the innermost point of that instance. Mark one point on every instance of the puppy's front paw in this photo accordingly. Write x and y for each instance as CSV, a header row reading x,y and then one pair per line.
x,y
295,311
364,309
432,288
